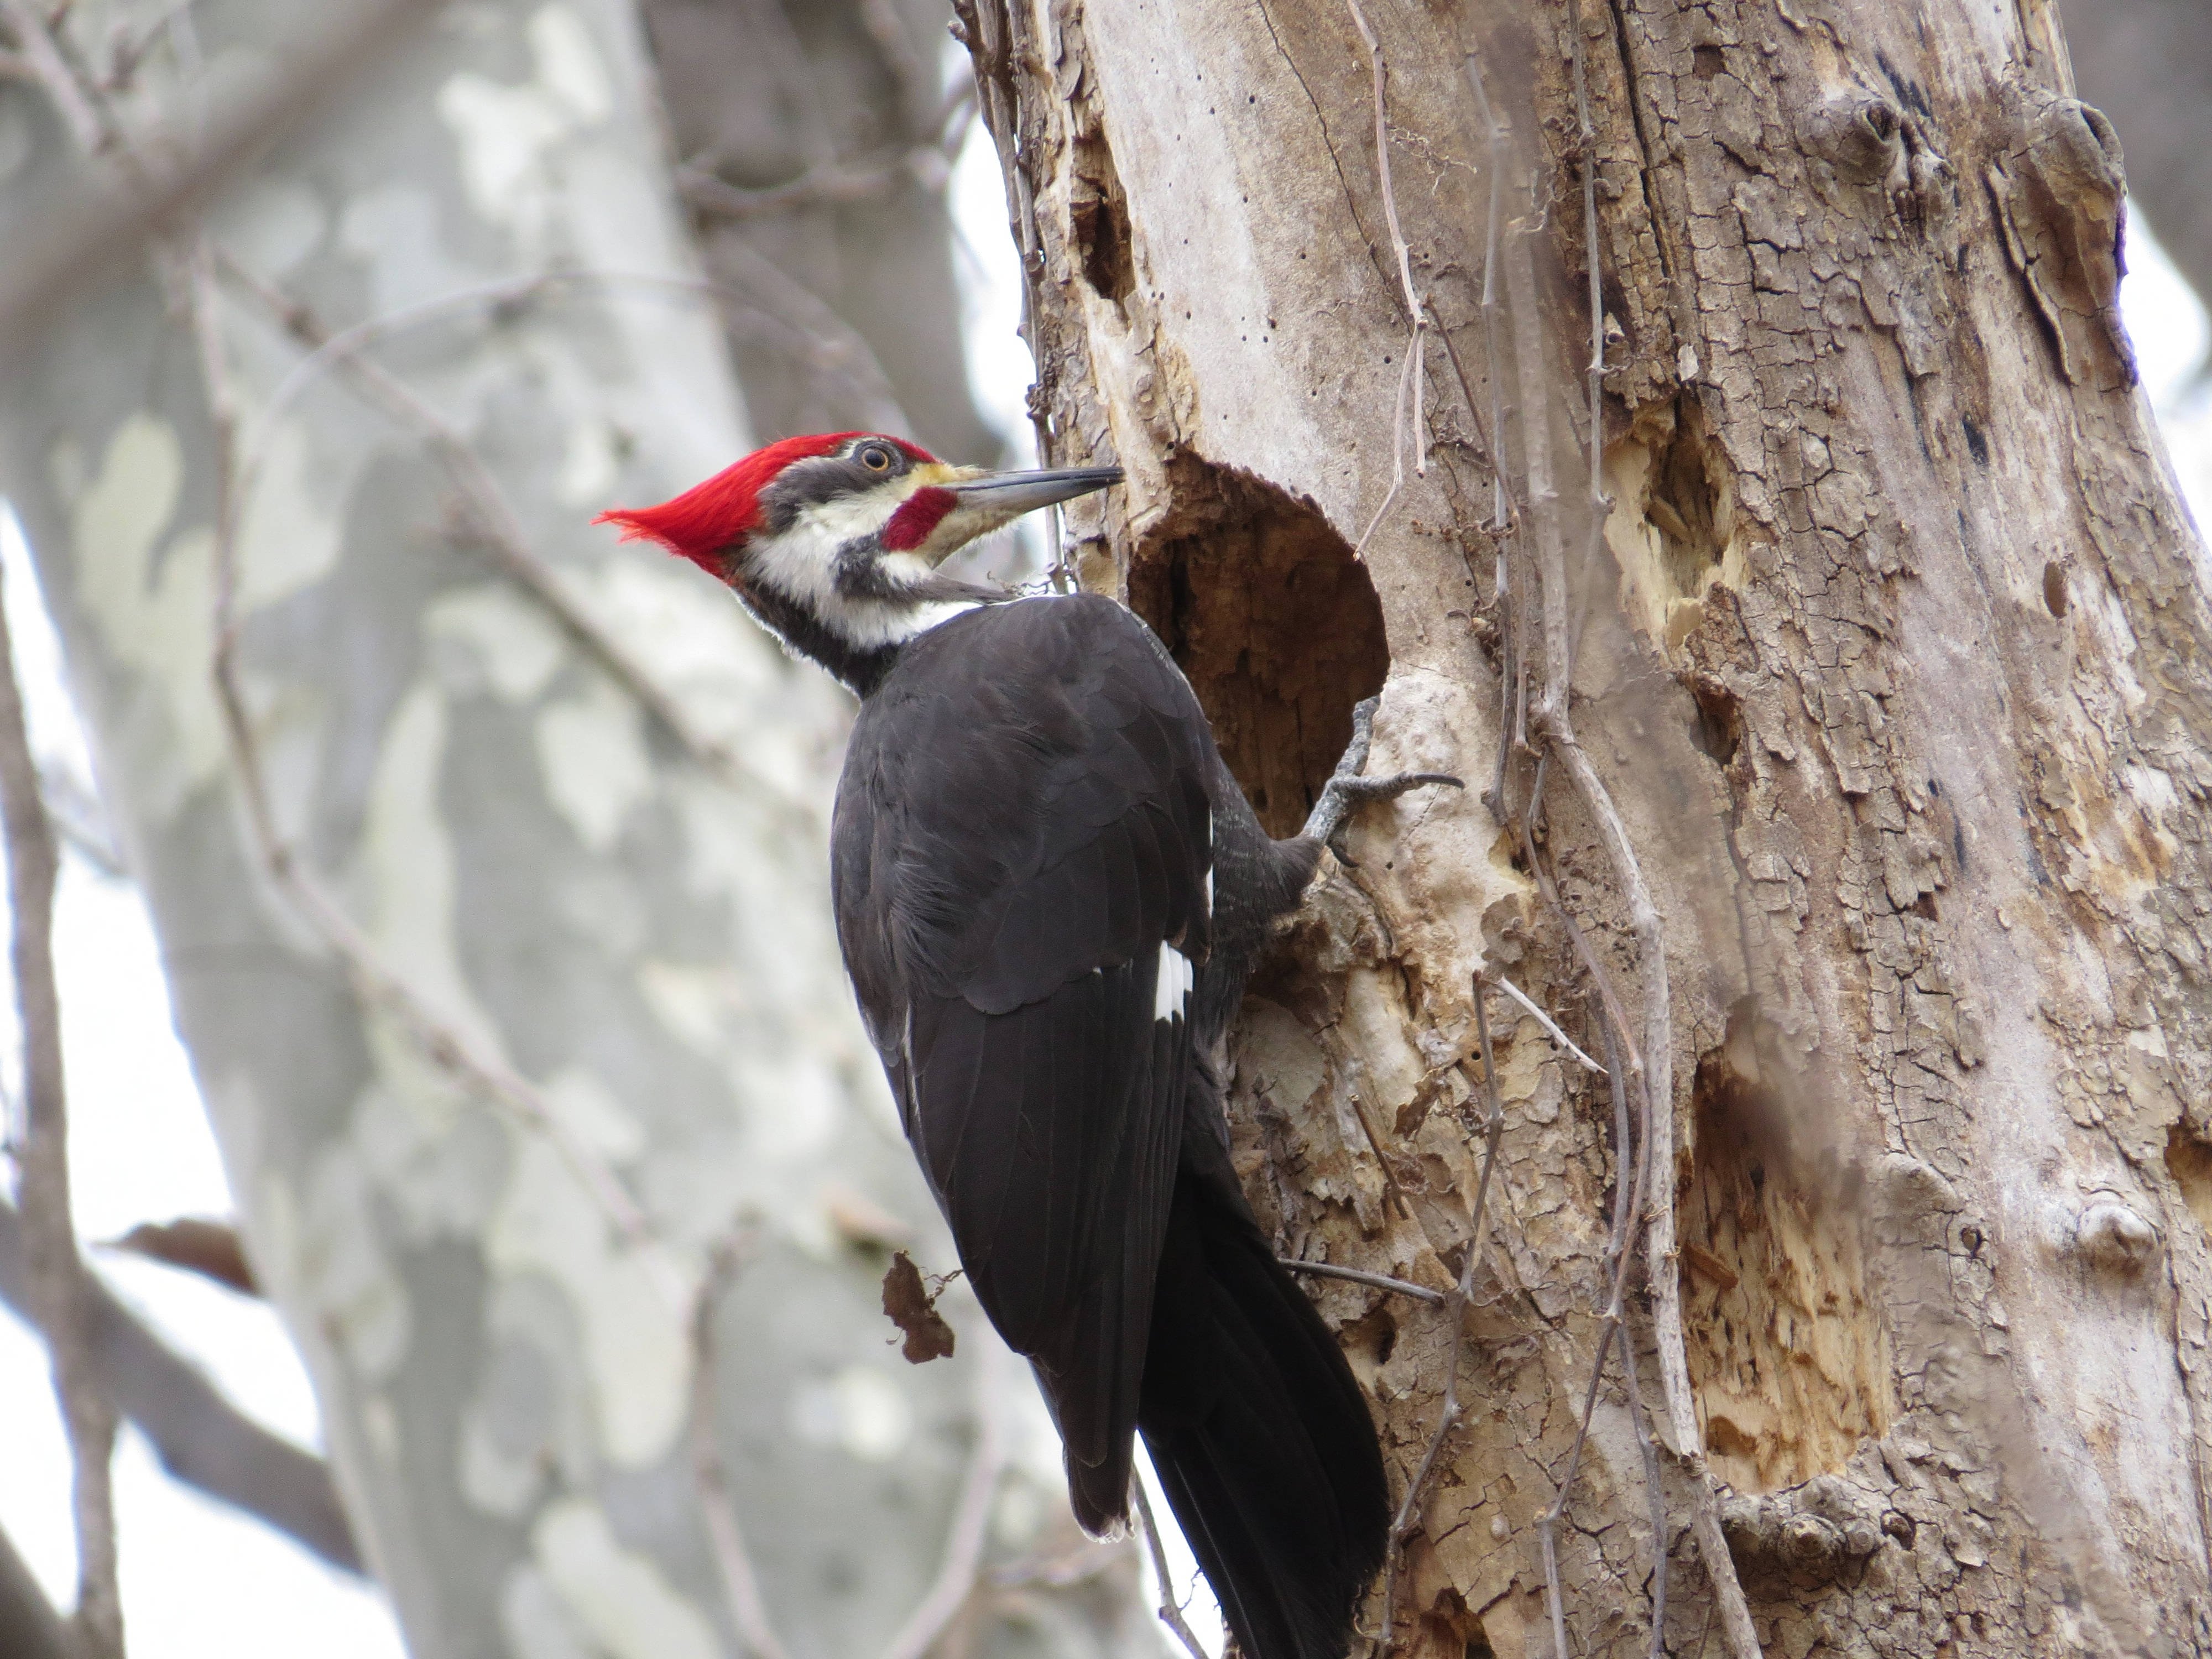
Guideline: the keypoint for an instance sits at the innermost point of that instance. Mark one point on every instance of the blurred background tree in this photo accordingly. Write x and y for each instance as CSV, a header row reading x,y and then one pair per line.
x,y
486,859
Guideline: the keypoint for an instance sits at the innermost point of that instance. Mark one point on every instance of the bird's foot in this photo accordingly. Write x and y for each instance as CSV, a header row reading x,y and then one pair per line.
x,y
1348,789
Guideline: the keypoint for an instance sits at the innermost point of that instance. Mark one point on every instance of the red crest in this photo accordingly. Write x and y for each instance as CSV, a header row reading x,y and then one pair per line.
x,y
709,520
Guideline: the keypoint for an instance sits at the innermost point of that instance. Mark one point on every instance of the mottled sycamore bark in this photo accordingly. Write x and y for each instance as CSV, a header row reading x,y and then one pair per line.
x,y
1894,661
494,1288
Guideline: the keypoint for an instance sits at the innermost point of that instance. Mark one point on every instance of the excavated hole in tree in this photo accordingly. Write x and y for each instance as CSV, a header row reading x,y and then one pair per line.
x,y
1275,624
1787,1350
2189,1161
1685,504
1100,214
1677,542
1719,729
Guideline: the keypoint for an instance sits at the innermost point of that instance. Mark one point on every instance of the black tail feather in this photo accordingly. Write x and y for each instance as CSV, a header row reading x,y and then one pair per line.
x,y
1259,1435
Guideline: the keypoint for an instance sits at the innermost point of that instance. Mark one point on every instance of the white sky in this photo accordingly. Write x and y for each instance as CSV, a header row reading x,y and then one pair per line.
x,y
198,1581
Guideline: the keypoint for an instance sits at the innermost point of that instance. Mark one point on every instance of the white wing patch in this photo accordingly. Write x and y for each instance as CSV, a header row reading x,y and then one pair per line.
x,y
1171,986
1209,864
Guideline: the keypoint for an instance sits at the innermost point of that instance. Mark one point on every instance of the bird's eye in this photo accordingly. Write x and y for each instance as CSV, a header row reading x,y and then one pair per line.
x,y
876,458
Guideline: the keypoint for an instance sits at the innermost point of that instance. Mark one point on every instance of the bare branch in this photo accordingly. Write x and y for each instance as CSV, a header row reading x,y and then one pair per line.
x,y
1628,1203
58,1282
494,521
733,1562
1547,1023
1651,1061
58,264
39,59
1170,1609
80,821
911,69
1412,380
379,986
828,185
1359,1276
1512,658
957,1574
1600,503
201,1438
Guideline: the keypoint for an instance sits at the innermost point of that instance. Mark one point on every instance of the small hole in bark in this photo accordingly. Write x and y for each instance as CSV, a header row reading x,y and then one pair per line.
x,y
1378,1334
1977,443
1276,625
1788,1354
1720,719
1707,61
2054,589
1924,906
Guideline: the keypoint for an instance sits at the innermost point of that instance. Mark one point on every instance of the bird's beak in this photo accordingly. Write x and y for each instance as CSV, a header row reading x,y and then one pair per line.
x,y
1003,495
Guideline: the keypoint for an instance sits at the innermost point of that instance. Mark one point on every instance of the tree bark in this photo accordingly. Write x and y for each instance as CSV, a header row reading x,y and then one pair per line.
x,y
1854,754
488,860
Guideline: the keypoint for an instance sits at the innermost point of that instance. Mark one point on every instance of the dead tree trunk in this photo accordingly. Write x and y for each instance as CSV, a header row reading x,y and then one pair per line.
x,y
1837,784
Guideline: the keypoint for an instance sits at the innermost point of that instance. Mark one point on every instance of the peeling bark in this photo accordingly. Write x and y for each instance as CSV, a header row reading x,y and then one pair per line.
x,y
1893,664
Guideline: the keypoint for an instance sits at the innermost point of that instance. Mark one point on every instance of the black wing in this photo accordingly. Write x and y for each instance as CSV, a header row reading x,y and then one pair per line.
x,y
1021,851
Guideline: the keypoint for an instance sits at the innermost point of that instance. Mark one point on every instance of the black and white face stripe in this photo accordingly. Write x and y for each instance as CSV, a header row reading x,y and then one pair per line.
x,y
860,468
843,559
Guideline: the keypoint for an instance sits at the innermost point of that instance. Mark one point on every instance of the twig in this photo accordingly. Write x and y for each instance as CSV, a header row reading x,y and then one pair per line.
x,y
1649,1061
1501,506
378,985
1624,1216
1628,1203
1530,375
1512,665
1360,1276
733,1562
826,356
1653,1068
1600,503
1455,1304
1411,378
1548,1023
1170,1609
502,534
914,73
1390,1186
828,186
57,1272
986,28
38,58
60,261
957,1574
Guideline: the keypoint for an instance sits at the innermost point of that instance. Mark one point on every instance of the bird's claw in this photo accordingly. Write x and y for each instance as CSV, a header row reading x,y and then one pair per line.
x,y
1347,790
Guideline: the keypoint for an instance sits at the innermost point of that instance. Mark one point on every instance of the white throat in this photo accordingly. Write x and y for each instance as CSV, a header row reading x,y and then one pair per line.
x,y
800,565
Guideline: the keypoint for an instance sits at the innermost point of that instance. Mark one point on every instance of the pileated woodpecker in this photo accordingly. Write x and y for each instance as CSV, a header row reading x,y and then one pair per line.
x,y
1049,890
